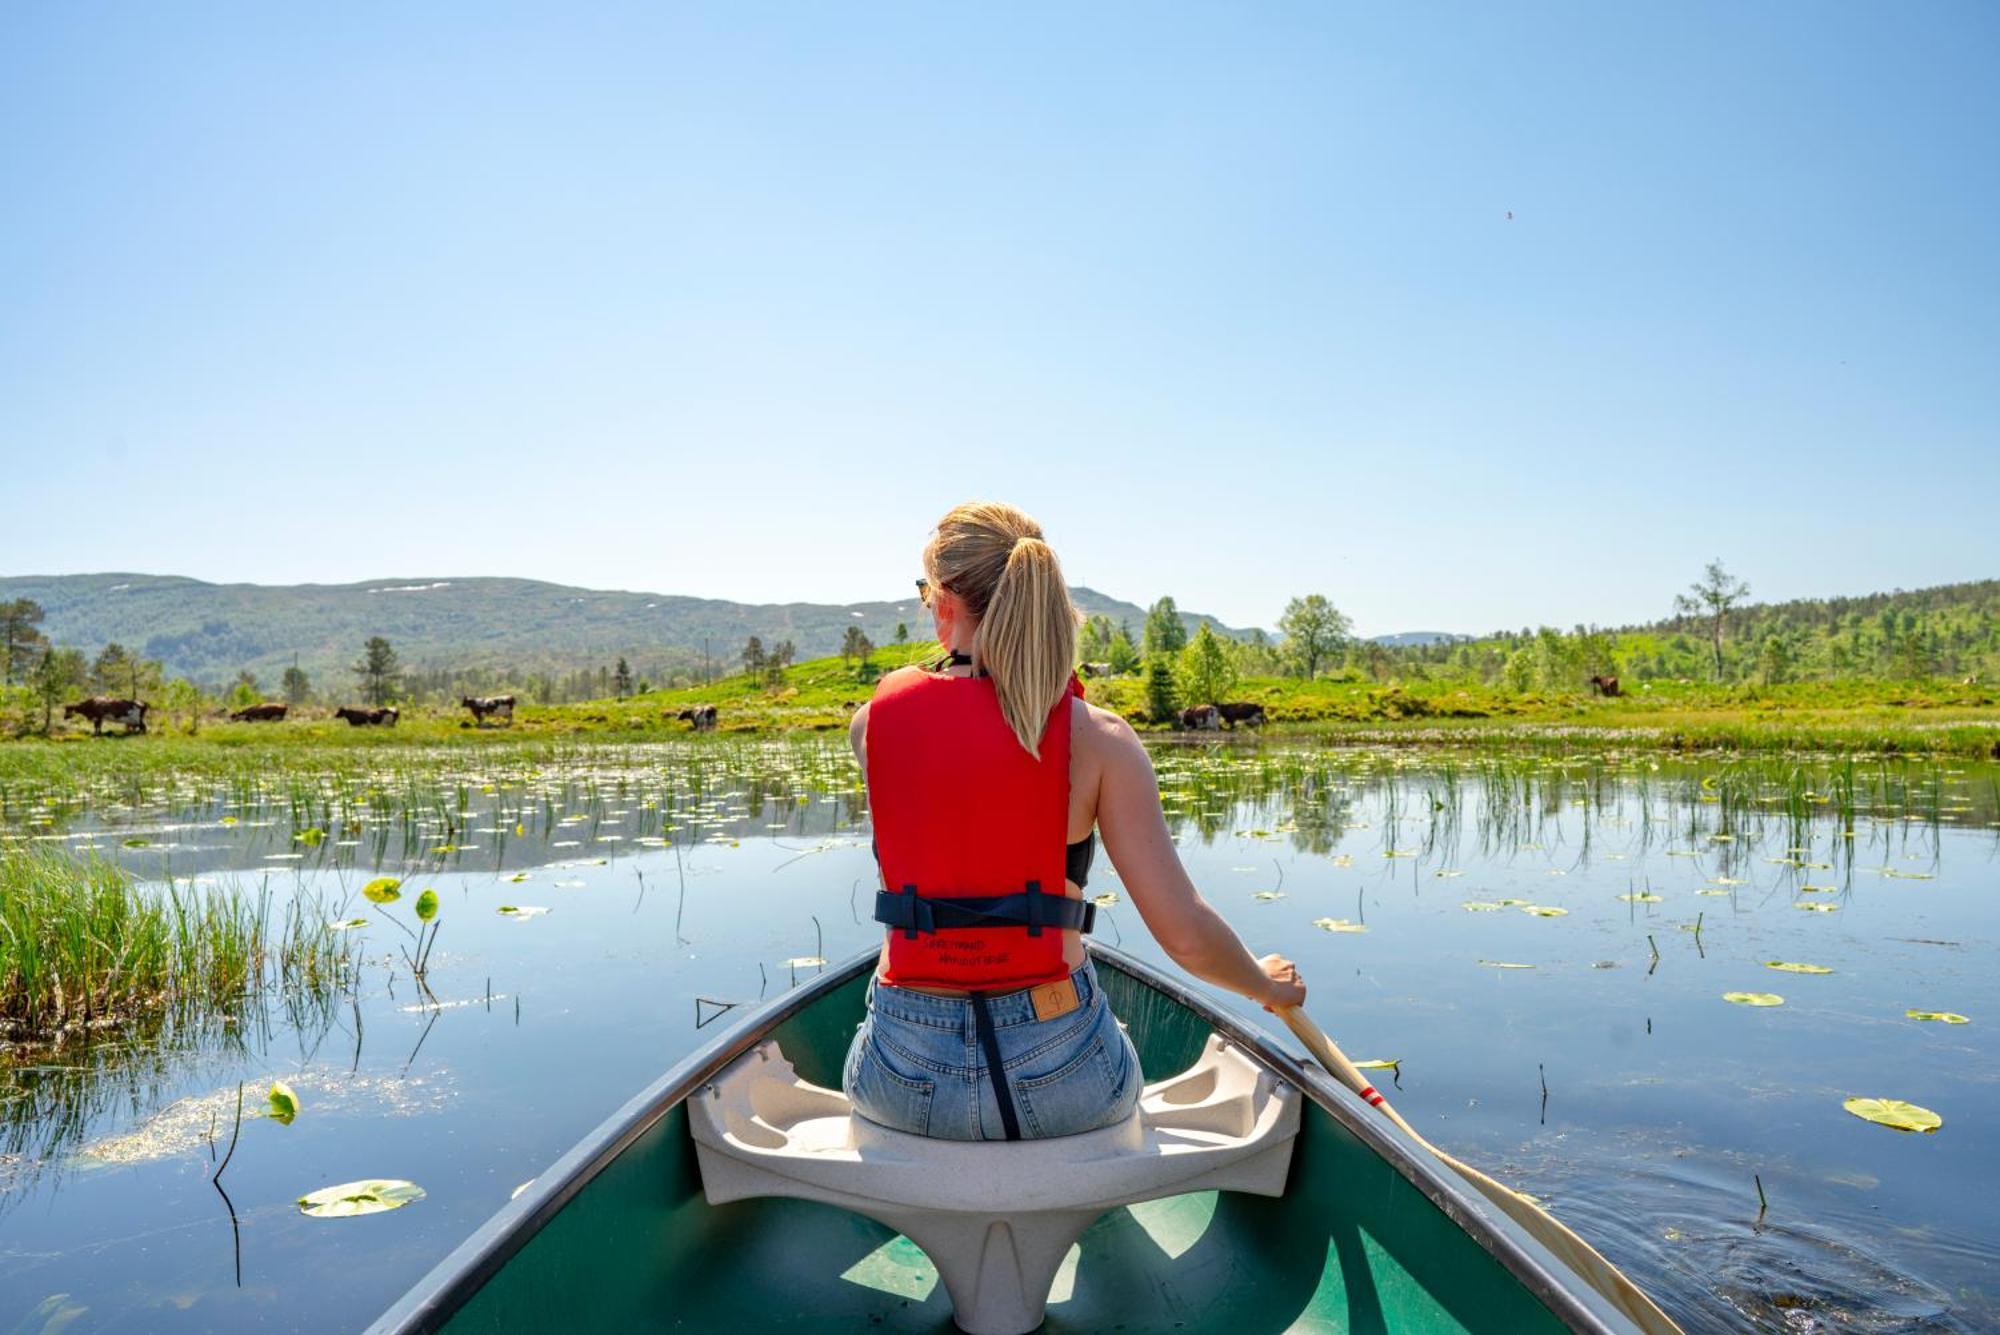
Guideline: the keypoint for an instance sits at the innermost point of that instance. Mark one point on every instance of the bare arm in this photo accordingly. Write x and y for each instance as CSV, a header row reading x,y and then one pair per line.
x,y
1186,925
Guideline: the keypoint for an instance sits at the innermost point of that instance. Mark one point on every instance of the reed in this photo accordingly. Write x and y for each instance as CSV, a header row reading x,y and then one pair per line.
x,y
83,947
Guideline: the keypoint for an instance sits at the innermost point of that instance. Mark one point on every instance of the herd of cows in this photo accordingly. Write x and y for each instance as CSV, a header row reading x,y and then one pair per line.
x,y
99,710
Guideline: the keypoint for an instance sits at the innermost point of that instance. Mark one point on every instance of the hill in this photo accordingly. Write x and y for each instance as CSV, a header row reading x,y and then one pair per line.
x,y
209,632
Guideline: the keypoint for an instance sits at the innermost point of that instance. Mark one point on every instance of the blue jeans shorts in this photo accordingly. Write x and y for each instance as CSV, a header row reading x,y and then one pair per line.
x,y
918,1065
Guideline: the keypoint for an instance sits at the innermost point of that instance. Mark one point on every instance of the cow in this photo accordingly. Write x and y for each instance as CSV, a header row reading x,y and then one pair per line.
x,y
1095,669
1202,718
368,718
489,706
701,717
1242,711
1606,686
849,706
102,709
260,714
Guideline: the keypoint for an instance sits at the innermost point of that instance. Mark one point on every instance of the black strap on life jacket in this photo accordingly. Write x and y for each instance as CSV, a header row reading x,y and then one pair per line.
x,y
911,913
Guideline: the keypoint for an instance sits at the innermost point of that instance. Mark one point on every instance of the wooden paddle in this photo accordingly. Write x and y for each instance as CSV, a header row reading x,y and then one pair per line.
x,y
1581,1257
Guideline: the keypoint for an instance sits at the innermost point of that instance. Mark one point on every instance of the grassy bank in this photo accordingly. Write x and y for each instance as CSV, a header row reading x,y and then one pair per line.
x,y
82,948
1929,716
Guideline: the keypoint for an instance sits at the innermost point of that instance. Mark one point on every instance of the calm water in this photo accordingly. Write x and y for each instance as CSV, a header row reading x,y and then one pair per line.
x,y
679,880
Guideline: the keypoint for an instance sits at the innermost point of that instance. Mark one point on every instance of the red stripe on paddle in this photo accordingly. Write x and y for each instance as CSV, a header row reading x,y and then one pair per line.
x,y
1374,1100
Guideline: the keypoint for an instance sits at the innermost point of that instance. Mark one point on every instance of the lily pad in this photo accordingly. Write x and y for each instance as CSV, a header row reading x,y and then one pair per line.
x,y
1789,966
1337,925
1942,1017
1754,998
1811,907
1481,906
1266,896
383,890
281,1103
358,1198
1641,897
427,906
1379,1064
349,924
521,911
803,962
1502,964
1893,1113
1105,900
1544,911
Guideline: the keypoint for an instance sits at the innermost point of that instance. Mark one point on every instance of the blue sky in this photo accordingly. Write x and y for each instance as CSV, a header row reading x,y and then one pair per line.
x,y
734,300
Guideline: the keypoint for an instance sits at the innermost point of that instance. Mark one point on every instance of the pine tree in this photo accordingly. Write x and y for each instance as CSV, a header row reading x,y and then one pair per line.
x,y
379,671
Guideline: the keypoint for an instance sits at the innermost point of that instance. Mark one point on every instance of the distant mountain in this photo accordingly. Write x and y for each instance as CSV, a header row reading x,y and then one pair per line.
x,y
209,632
1417,639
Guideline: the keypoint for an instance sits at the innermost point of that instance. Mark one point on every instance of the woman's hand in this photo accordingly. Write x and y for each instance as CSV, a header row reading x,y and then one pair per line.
x,y
1283,986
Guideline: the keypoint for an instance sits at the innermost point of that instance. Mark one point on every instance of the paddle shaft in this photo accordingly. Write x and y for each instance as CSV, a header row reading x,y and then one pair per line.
x,y
1628,1297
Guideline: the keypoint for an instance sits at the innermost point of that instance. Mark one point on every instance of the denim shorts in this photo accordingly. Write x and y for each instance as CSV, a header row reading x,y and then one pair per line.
x,y
917,1065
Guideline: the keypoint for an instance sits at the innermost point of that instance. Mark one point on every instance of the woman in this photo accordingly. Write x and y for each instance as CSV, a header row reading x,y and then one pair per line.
x,y
988,776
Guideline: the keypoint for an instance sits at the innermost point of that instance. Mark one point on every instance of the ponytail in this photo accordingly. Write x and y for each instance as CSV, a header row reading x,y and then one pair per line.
x,y
1027,639
993,556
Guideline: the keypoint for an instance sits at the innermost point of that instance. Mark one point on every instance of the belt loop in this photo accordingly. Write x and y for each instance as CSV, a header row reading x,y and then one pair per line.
x,y
1034,908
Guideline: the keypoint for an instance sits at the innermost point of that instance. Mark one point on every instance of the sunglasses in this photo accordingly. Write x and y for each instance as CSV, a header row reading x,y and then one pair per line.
x,y
923,591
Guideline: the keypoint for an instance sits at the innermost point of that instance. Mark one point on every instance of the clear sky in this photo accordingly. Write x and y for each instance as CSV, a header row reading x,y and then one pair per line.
x,y
734,299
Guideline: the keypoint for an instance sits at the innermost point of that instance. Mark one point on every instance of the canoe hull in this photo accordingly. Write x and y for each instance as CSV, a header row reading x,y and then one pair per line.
x,y
1369,1235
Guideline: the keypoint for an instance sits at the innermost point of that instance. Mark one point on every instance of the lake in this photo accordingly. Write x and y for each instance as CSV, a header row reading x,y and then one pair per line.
x,y
1541,940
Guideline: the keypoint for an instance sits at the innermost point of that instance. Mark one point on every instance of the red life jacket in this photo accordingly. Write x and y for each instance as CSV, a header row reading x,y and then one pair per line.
x,y
962,810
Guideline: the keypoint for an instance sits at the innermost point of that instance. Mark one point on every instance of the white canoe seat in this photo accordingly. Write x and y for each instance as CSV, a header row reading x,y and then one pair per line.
x,y
995,1217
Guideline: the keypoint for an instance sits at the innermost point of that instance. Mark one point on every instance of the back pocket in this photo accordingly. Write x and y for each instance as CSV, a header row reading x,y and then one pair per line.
x,y
886,1097
1082,1094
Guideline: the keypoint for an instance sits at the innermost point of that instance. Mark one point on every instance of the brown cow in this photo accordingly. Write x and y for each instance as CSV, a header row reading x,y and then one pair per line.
x,y
1604,685
1242,711
102,709
368,718
1203,718
485,706
260,714
702,717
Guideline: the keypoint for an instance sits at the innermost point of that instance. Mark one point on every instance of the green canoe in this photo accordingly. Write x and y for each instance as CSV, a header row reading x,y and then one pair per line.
x,y
1370,1233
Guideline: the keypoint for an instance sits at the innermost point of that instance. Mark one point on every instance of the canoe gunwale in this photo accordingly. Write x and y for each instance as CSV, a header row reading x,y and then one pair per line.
x,y
438,1296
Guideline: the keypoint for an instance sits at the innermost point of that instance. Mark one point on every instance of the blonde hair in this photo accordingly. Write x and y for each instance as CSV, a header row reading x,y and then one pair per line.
x,y
993,558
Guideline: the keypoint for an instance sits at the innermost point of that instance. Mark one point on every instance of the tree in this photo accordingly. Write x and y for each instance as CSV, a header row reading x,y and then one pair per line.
x,y
1712,597
1123,654
1207,673
1093,641
378,671
111,670
902,633
753,656
1162,693
244,691
183,701
59,672
850,644
19,639
621,678
296,685
1314,630
1166,633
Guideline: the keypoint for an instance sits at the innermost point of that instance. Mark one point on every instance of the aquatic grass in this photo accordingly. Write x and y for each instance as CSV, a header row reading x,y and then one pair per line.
x,y
84,947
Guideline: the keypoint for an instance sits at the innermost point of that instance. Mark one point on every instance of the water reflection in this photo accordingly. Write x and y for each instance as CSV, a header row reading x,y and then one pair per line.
x,y
1540,942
